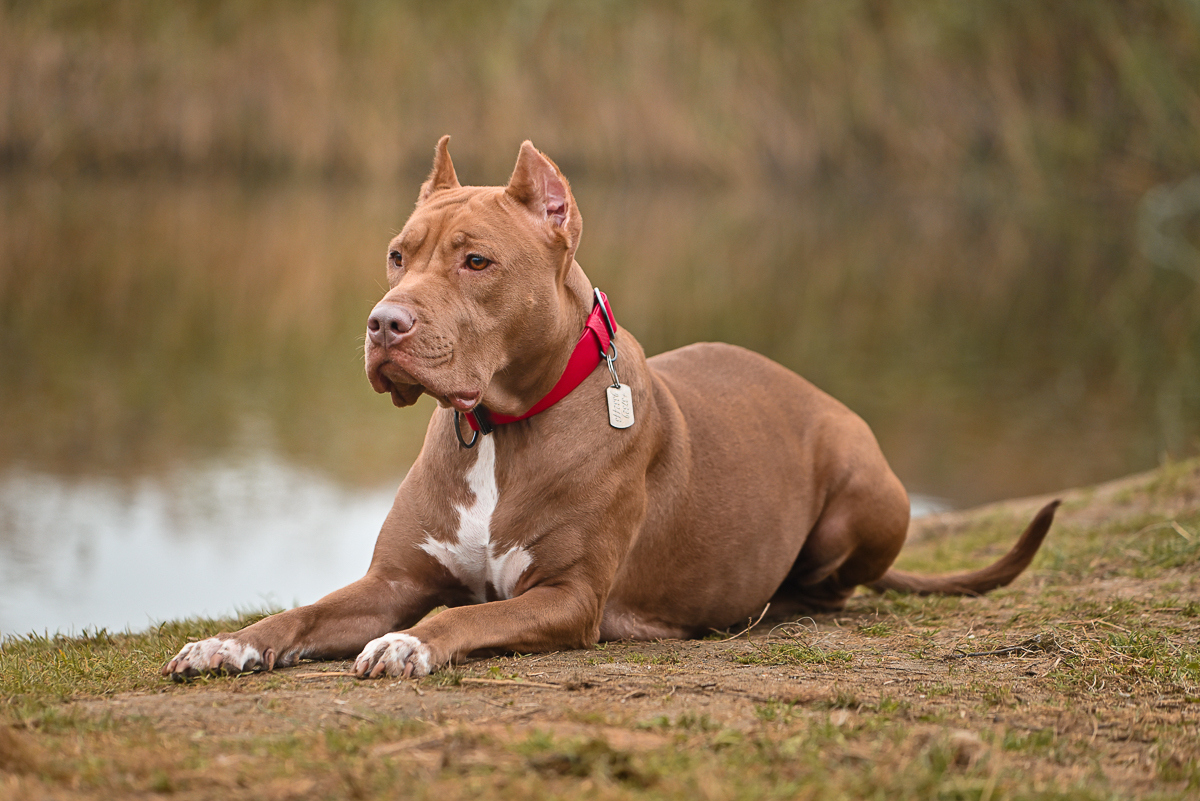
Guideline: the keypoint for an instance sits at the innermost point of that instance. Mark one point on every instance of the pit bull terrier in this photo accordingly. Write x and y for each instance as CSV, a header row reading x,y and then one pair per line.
x,y
570,490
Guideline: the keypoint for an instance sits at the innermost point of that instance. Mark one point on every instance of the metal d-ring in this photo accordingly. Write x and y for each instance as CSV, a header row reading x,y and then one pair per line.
x,y
458,432
610,359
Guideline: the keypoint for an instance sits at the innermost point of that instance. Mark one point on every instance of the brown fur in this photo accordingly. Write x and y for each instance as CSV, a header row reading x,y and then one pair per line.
x,y
740,483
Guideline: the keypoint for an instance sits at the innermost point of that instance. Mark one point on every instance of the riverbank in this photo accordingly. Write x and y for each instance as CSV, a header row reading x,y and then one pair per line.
x,y
1081,679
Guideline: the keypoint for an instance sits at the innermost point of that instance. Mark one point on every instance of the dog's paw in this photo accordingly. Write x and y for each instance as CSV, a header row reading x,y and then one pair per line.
x,y
395,654
215,655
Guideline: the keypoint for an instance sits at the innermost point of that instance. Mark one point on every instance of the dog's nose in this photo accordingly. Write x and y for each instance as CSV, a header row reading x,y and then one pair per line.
x,y
388,323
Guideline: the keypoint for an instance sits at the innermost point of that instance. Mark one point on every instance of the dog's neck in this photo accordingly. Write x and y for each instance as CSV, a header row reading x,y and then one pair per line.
x,y
527,379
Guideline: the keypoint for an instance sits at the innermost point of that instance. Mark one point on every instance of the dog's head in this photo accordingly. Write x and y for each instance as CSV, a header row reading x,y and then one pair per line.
x,y
477,287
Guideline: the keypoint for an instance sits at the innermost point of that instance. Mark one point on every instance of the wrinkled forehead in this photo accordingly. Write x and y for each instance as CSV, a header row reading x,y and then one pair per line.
x,y
478,211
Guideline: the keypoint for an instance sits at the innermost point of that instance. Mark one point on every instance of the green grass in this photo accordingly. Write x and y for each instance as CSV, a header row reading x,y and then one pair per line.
x,y
1141,546
881,629
98,662
637,658
685,721
792,653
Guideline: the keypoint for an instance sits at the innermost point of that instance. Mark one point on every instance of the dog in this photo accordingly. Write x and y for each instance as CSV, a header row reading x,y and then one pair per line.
x,y
570,490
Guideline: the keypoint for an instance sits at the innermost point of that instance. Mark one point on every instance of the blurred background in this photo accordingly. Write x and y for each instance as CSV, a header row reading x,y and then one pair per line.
x,y
978,224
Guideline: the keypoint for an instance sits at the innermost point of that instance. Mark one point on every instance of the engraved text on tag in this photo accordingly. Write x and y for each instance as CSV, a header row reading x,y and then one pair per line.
x,y
620,406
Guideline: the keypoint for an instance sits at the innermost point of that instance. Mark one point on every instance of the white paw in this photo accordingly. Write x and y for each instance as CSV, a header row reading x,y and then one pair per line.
x,y
213,655
395,654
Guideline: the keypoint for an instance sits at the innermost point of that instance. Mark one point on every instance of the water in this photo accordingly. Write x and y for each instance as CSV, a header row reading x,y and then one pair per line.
x,y
87,552
186,428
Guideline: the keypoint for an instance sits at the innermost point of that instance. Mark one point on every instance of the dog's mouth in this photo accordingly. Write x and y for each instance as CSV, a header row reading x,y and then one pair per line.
x,y
404,394
406,387
395,382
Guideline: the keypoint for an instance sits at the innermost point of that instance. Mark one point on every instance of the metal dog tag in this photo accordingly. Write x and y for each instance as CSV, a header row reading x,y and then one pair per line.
x,y
620,406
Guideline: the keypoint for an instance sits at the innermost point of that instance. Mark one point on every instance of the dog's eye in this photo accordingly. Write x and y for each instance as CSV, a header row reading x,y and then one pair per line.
x,y
395,258
477,262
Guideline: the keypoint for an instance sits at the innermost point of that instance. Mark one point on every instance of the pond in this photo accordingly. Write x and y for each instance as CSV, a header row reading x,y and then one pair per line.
x,y
187,430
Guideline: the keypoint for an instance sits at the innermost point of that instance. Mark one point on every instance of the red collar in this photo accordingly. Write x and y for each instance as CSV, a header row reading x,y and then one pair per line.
x,y
594,342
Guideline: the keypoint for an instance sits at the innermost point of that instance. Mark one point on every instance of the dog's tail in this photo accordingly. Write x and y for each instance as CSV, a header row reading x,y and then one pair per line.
x,y
976,582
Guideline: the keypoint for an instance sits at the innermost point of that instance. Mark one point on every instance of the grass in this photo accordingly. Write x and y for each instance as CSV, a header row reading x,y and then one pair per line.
x,y
827,763
881,629
57,668
1141,543
792,653
885,705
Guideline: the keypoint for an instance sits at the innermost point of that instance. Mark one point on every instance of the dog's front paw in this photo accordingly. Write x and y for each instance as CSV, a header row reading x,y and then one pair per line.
x,y
215,655
395,654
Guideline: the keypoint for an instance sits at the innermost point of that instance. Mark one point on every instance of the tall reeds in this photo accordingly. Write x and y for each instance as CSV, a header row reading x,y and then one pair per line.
x,y
927,94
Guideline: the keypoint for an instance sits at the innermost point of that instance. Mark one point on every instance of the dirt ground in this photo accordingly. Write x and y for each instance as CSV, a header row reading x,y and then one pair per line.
x,y
1079,680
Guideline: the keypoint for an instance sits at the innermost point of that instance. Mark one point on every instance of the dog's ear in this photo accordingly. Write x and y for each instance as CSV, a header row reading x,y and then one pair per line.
x,y
540,186
442,176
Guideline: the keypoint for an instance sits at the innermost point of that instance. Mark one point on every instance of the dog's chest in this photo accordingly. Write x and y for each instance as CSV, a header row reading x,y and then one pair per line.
x,y
470,555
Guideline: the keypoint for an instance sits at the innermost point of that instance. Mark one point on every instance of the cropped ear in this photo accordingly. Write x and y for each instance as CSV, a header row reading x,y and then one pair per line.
x,y
540,186
442,176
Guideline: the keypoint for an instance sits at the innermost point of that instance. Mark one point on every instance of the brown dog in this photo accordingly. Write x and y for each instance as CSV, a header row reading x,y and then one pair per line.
x,y
614,497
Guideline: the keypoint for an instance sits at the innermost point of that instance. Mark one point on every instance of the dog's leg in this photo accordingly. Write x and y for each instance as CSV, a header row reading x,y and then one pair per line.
x,y
335,627
400,587
545,618
854,542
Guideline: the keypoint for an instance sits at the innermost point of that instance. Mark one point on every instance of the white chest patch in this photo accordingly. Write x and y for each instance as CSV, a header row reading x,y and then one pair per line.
x,y
471,556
